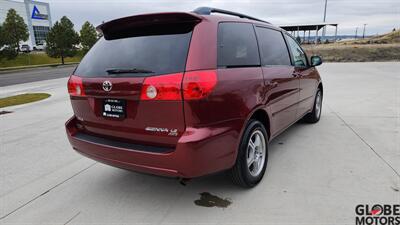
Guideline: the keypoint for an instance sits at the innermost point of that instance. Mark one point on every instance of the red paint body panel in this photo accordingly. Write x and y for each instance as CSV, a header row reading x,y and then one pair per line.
x,y
209,129
201,57
282,96
195,154
309,81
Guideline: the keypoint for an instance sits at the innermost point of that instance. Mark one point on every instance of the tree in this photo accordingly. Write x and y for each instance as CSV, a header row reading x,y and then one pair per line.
x,y
88,36
62,39
1,42
14,30
5,50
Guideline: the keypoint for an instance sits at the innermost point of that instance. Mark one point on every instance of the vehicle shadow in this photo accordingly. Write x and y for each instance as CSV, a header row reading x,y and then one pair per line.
x,y
154,187
120,195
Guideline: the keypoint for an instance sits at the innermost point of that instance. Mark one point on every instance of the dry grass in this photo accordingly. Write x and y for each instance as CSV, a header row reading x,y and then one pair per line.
x,y
389,38
356,52
375,49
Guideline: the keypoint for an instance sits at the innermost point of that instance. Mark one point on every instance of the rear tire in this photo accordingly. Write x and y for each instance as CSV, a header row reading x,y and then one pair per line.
x,y
315,114
252,158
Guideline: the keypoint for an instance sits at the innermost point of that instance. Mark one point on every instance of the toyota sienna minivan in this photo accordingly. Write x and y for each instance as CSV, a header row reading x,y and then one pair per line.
x,y
189,94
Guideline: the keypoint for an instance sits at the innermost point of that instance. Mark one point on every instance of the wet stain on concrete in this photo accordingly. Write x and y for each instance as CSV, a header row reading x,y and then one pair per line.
x,y
4,112
209,200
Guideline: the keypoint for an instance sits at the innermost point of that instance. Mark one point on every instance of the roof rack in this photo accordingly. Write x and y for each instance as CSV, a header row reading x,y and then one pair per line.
x,y
209,10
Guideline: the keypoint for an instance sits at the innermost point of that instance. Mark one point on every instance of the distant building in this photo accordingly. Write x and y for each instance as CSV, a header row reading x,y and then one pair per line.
x,y
36,16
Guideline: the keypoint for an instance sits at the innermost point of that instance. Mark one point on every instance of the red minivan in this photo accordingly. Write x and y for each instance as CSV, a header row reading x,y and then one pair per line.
x,y
188,94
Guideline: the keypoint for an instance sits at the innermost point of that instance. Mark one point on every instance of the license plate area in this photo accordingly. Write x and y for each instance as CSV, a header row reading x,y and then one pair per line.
x,y
114,108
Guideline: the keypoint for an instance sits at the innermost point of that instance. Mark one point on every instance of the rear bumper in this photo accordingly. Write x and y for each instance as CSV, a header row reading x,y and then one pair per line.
x,y
199,151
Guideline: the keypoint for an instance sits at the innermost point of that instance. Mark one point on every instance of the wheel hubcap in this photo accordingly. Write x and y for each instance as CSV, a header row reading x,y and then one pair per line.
x,y
318,104
256,152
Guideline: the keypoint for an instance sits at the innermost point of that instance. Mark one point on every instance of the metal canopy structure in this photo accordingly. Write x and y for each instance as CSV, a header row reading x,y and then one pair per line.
x,y
308,27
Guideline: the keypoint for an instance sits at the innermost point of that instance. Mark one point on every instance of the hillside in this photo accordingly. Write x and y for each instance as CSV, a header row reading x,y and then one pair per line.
x,y
374,49
389,38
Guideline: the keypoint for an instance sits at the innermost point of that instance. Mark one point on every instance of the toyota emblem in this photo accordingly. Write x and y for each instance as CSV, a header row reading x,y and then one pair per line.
x,y
107,85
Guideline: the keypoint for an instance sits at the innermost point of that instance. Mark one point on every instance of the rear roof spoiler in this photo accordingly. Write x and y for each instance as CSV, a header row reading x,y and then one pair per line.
x,y
148,19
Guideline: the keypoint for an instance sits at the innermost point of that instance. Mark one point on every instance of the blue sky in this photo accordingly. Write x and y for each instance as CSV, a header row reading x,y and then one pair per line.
x,y
381,16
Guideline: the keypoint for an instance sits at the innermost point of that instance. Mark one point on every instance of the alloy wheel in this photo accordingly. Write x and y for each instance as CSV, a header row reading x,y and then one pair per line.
x,y
256,153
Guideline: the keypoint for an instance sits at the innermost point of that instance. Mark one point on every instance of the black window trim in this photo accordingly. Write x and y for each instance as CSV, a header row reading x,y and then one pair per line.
x,y
287,35
288,48
284,40
258,45
239,66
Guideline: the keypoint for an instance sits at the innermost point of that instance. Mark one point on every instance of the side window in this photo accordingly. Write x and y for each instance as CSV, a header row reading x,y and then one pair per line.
x,y
237,45
273,48
298,56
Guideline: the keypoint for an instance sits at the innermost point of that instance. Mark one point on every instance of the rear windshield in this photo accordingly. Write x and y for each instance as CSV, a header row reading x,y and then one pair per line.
x,y
156,53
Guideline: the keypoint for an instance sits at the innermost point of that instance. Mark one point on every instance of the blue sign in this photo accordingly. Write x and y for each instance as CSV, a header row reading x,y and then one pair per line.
x,y
37,15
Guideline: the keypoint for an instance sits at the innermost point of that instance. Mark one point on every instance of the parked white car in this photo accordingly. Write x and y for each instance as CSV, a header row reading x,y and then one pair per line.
x,y
39,47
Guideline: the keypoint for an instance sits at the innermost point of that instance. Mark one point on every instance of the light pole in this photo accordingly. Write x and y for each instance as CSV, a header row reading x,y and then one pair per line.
x,y
324,30
364,30
326,3
355,37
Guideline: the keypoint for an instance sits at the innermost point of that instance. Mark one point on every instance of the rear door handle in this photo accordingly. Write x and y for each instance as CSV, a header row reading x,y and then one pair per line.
x,y
273,84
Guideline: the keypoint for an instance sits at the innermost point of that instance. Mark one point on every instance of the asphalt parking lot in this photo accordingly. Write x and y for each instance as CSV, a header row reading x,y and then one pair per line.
x,y
31,75
316,174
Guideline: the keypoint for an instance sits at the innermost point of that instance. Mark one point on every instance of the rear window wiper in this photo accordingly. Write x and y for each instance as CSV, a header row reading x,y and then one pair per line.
x,y
128,70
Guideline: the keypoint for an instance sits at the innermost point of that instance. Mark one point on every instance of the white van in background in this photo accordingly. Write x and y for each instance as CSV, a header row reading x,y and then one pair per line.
x,y
25,48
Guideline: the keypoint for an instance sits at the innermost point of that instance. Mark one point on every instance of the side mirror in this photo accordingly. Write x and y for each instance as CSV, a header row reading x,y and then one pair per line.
x,y
316,60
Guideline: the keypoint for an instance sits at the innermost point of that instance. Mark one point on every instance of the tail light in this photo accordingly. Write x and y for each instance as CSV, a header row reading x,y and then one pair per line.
x,y
195,85
164,87
198,84
75,86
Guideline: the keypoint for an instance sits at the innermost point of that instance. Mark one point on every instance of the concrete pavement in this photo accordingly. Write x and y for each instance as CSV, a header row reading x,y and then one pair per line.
x,y
316,174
